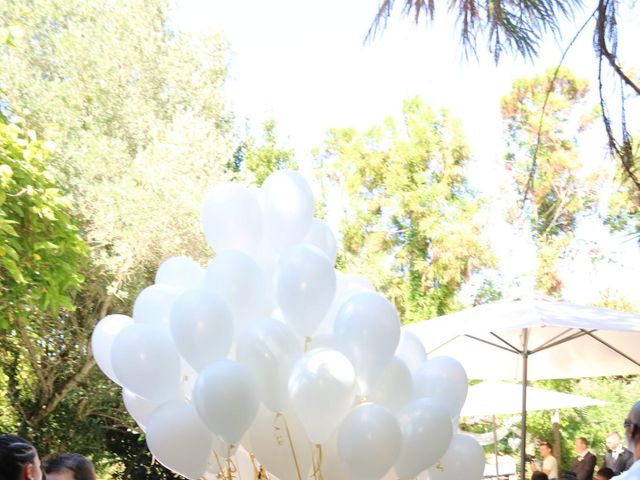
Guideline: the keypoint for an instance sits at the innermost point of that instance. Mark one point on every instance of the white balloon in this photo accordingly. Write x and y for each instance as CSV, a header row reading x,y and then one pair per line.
x,y
202,327
321,236
288,207
102,341
347,285
332,466
367,329
178,439
464,460
305,284
410,349
426,433
237,279
270,349
369,441
146,361
226,398
181,273
394,387
232,219
270,443
153,304
139,408
322,390
443,378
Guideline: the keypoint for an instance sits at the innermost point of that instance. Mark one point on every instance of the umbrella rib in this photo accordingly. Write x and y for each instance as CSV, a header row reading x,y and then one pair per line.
x,y
514,349
551,343
511,349
606,344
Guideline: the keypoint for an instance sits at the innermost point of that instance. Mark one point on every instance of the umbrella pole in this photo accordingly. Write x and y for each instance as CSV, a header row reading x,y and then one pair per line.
x,y
495,446
523,439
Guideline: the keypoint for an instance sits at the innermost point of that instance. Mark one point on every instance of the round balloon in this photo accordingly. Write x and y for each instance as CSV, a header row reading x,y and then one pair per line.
x,y
322,391
178,439
139,408
181,273
347,285
232,219
369,441
442,378
288,207
226,398
321,236
153,304
146,361
464,459
202,327
102,341
394,387
305,284
410,349
367,330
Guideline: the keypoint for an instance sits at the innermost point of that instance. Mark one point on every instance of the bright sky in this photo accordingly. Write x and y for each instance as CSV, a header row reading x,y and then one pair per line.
x,y
304,64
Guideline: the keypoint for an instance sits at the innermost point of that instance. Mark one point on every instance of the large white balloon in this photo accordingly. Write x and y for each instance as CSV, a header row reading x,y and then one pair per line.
x,y
464,460
270,348
202,327
179,440
305,284
347,285
443,378
367,330
269,440
426,433
369,441
237,279
102,341
181,273
394,387
322,390
321,236
410,349
153,304
226,398
288,207
232,219
146,361
139,408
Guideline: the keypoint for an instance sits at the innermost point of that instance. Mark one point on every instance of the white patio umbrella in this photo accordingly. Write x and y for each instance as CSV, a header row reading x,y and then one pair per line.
x,y
537,338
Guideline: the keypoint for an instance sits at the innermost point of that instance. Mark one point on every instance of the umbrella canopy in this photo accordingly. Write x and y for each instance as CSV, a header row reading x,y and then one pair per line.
x,y
537,338
560,340
495,398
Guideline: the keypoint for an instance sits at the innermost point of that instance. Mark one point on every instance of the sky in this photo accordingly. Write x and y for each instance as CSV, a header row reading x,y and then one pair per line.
x,y
305,64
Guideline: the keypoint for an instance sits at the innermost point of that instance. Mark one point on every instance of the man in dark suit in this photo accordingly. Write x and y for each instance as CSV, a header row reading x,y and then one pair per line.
x,y
585,463
617,458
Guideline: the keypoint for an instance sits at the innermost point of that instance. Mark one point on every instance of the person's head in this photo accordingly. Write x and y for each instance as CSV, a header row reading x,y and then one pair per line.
x,y
539,476
18,459
632,429
612,441
605,473
545,449
69,466
581,445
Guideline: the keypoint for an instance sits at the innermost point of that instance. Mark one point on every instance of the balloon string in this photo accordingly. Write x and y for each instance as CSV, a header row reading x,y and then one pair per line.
x,y
307,341
317,467
293,450
220,469
259,473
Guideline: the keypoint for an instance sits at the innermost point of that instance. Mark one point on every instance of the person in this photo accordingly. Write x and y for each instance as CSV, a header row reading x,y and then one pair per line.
x,y
617,458
605,473
549,463
69,466
539,476
632,434
18,459
585,463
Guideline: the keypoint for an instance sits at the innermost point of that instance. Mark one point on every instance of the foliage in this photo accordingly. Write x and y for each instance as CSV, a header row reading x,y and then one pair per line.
x,y
41,251
409,223
557,188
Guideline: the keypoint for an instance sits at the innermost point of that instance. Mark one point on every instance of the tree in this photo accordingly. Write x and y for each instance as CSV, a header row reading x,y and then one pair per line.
x,y
136,112
557,192
519,26
409,221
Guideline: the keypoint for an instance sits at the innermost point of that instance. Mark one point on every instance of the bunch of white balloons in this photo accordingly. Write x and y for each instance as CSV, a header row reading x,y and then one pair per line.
x,y
271,351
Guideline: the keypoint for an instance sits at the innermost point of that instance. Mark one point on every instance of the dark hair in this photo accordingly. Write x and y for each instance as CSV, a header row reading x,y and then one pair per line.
x,y
74,462
547,444
15,453
538,475
606,472
584,441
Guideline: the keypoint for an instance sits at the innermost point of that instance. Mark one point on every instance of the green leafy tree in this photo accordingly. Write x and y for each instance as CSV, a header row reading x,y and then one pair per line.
x,y
409,221
556,189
